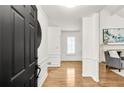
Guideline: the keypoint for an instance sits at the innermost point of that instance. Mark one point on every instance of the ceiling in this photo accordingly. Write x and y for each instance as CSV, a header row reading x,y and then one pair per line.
x,y
67,18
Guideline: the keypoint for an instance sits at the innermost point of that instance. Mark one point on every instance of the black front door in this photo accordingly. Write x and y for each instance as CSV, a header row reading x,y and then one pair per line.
x,y
18,50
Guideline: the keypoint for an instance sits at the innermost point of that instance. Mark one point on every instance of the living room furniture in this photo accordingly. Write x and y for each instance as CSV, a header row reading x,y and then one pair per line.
x,y
113,62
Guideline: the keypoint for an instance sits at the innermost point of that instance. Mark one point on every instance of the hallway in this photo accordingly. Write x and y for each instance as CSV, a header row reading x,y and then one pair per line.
x,y
69,75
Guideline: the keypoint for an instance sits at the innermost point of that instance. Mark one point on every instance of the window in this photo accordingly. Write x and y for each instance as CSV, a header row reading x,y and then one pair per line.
x,y
70,45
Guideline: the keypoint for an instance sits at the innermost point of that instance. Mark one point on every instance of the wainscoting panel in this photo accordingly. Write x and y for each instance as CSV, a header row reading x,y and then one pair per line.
x,y
43,74
54,60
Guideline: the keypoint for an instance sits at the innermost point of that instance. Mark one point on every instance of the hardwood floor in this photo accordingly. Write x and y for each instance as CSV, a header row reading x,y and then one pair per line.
x,y
109,78
70,75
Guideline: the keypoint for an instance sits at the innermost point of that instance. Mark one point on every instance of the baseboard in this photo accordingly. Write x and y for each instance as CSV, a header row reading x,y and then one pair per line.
x,y
71,60
43,79
96,80
54,65
102,62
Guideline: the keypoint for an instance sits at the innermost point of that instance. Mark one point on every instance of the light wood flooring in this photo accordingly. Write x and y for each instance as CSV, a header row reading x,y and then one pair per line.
x,y
109,78
70,75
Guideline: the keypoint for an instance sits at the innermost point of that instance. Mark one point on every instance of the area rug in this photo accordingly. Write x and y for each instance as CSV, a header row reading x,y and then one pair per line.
x,y
119,73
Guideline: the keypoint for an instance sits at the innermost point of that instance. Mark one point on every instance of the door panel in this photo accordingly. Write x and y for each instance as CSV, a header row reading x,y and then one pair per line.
x,y
19,28
0,46
18,47
32,43
19,8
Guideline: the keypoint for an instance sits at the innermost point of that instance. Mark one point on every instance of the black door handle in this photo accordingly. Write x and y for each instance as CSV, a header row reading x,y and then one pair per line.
x,y
39,70
35,58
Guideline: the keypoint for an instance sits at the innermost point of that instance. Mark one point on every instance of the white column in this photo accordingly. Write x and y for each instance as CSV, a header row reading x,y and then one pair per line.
x,y
90,46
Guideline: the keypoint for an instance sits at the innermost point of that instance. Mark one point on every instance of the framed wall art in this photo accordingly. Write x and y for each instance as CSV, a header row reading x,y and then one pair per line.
x,y
113,36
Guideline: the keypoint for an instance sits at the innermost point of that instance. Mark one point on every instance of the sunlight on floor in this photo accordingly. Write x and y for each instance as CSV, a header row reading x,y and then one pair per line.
x,y
71,76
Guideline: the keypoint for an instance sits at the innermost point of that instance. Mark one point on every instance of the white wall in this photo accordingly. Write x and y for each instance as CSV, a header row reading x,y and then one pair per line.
x,y
54,48
43,49
90,46
67,25
78,52
109,21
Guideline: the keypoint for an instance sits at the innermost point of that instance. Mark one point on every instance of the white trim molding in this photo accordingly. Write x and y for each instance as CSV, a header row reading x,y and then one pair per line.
x,y
90,68
42,80
44,71
54,60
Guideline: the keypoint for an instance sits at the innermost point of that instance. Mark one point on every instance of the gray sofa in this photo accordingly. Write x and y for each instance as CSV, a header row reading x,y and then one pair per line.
x,y
113,62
